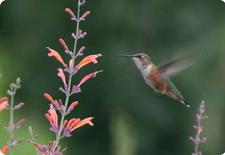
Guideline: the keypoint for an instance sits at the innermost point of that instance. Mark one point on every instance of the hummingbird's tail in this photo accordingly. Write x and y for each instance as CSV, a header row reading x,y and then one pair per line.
x,y
178,97
184,102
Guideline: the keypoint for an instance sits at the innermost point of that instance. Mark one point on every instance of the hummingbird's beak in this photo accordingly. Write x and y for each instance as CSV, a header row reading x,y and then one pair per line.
x,y
124,55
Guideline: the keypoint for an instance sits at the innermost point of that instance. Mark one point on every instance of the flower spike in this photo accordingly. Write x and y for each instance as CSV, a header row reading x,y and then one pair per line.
x,y
63,127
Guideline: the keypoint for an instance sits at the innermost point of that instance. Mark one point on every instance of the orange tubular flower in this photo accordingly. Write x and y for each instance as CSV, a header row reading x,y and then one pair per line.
x,y
87,60
87,13
70,12
72,106
52,117
3,103
20,122
83,122
64,45
62,76
52,101
87,77
48,97
76,123
4,150
54,53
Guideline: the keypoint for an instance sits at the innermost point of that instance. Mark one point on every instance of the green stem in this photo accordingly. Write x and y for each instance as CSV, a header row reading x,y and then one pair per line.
x,y
198,135
77,27
58,136
11,124
33,138
68,92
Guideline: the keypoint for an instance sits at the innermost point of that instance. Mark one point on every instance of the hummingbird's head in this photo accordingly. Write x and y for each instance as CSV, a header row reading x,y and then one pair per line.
x,y
141,60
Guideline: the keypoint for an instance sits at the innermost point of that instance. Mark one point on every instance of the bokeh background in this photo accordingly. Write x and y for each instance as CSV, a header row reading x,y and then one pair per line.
x,y
129,118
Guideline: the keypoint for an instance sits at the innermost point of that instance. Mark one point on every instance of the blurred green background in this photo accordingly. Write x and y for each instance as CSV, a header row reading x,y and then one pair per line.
x,y
130,119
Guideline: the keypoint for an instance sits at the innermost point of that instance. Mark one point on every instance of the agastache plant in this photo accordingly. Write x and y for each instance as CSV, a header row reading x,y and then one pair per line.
x,y
8,103
198,127
59,109
12,107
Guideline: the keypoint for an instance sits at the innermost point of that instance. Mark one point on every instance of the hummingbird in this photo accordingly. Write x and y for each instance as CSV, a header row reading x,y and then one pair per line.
x,y
158,77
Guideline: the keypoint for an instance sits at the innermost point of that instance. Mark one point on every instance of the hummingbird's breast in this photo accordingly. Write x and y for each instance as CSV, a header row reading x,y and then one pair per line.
x,y
146,72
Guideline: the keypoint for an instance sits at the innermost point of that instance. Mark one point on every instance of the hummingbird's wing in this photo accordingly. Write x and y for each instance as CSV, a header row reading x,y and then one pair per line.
x,y
178,64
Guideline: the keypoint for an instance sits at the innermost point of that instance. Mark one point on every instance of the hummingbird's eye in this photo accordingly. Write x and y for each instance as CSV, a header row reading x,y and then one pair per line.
x,y
140,56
